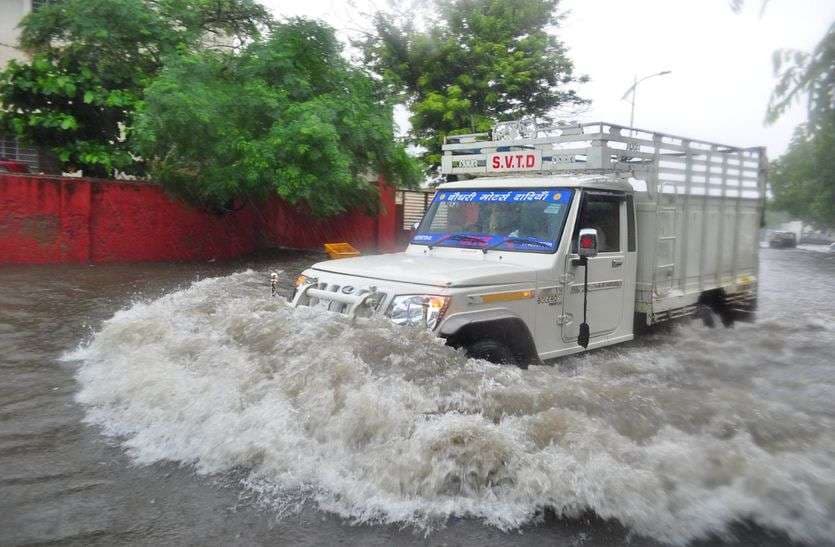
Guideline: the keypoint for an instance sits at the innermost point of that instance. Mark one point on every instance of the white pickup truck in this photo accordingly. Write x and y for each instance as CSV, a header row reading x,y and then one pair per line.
x,y
556,239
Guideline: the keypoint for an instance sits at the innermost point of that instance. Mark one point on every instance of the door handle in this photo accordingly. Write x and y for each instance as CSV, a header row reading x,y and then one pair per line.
x,y
617,262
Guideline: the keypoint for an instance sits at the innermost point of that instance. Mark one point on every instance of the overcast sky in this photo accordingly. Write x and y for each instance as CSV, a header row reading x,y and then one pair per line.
x,y
720,61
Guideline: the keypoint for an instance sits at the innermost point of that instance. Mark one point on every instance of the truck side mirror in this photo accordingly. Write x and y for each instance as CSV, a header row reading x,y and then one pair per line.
x,y
587,243
415,225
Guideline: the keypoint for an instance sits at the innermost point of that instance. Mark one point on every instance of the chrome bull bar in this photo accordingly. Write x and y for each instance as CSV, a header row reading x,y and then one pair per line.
x,y
355,302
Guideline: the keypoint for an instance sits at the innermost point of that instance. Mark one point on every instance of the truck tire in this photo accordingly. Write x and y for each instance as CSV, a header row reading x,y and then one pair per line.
x,y
706,315
726,316
493,351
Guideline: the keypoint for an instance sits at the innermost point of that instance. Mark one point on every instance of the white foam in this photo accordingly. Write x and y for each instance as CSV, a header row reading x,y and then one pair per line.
x,y
385,424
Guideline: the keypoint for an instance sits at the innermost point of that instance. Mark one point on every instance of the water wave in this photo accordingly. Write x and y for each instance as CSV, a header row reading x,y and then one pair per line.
x,y
677,439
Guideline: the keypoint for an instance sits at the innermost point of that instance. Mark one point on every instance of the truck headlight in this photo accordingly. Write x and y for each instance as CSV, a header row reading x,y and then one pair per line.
x,y
418,310
300,282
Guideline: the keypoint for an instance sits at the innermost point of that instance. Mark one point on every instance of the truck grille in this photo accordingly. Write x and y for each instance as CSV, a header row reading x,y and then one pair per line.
x,y
338,306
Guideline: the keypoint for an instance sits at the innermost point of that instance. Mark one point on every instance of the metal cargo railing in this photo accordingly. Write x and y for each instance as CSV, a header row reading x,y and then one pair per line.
x,y
669,163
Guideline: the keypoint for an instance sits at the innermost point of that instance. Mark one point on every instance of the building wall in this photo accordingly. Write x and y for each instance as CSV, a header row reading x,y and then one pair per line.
x,y
37,158
46,220
11,12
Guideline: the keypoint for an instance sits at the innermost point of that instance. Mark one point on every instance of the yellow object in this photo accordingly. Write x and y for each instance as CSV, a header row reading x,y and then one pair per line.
x,y
301,280
340,250
506,296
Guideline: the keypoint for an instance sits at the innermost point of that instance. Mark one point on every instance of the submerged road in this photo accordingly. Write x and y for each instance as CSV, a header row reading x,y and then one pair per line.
x,y
204,414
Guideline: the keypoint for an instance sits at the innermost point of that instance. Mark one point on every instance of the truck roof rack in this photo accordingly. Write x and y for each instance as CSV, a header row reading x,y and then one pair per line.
x,y
669,164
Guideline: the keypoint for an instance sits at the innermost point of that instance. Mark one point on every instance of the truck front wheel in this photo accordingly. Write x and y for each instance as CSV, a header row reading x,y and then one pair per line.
x,y
493,351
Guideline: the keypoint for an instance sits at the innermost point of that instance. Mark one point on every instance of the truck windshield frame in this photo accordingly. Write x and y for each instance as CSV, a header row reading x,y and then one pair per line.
x,y
497,219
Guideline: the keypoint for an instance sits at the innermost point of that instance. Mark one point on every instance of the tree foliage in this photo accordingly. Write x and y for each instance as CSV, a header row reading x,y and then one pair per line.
x,y
91,60
803,179
811,75
287,115
480,61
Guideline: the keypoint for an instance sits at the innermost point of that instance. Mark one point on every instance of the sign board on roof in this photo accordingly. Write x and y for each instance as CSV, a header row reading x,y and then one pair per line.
x,y
522,160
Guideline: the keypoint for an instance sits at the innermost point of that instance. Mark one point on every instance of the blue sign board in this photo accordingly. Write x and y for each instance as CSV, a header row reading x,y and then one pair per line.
x,y
505,196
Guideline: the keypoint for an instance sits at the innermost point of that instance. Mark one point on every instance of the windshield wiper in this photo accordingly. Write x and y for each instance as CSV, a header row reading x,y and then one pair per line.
x,y
456,237
516,239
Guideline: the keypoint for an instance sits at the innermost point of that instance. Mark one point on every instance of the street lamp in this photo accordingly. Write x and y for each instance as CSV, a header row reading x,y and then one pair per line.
x,y
633,89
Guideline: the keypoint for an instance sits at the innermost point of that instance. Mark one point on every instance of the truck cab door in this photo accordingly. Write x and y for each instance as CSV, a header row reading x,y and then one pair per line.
x,y
605,212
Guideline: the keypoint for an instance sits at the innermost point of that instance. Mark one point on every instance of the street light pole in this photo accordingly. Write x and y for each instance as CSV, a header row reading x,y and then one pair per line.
x,y
633,89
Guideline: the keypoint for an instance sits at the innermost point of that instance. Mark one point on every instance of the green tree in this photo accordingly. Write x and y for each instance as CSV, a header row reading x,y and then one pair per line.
x,y
806,75
287,115
803,179
480,61
91,60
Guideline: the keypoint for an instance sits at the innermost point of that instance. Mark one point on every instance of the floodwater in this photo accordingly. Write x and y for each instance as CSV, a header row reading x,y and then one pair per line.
x,y
181,404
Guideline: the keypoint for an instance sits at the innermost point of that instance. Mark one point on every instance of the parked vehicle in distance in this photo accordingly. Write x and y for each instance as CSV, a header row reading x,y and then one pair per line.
x,y
13,166
814,238
782,240
557,239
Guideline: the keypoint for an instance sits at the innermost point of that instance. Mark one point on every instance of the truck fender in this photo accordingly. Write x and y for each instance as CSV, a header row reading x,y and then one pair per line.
x,y
460,329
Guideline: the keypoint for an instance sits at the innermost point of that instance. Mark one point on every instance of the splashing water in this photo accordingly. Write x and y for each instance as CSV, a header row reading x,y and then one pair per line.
x,y
677,439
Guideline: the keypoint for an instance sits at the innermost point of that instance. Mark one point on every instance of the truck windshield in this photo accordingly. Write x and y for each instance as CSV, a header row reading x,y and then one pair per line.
x,y
527,220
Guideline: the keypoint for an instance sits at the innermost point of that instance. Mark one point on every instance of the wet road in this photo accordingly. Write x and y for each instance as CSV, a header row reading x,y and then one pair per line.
x,y
113,443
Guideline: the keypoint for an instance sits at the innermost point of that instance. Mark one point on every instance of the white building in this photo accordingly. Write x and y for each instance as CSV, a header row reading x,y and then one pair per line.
x,y
11,14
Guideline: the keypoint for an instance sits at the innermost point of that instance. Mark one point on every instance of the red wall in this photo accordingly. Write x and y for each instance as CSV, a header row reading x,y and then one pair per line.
x,y
138,223
43,221
387,220
287,226
62,219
